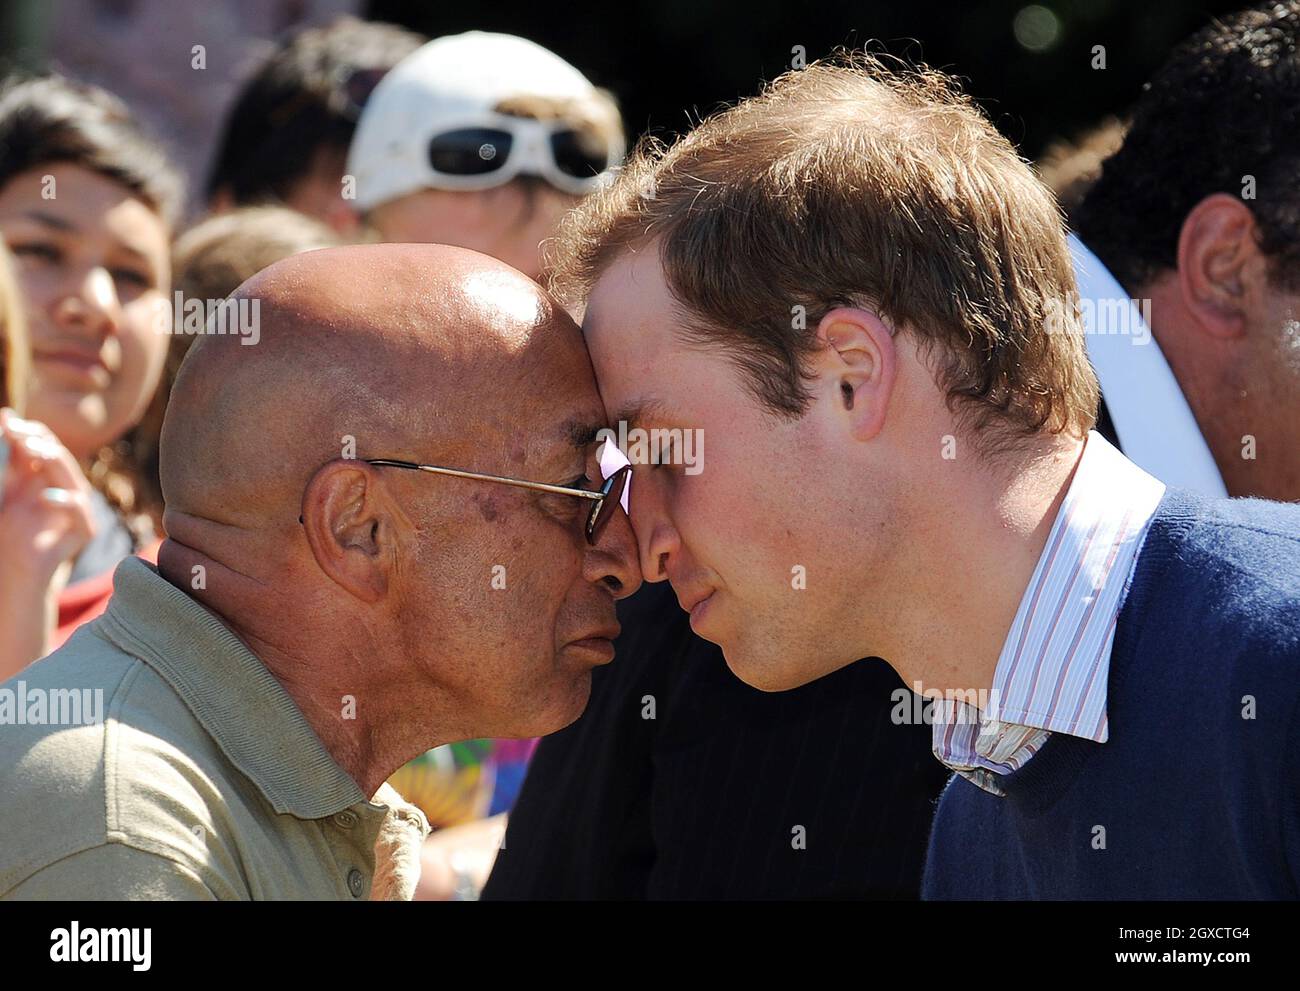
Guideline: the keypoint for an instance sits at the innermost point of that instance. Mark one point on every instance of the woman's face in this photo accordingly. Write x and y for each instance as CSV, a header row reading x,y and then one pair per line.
x,y
92,264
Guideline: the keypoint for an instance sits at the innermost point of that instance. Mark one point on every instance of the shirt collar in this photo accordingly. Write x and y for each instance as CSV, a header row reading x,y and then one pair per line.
x,y
1154,424
1052,671
232,694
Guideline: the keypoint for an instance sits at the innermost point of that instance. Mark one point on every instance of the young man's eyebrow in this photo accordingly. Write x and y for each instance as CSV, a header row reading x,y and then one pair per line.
x,y
638,410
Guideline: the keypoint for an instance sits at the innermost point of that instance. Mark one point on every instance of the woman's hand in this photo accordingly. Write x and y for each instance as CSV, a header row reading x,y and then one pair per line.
x,y
45,522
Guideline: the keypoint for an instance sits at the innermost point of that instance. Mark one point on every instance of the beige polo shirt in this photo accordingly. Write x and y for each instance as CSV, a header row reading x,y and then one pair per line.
x,y
200,779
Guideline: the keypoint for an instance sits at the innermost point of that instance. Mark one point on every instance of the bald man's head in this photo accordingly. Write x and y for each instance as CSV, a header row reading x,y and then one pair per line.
x,y
392,345
486,596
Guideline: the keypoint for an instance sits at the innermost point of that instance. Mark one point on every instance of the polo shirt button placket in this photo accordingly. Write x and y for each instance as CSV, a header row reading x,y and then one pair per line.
x,y
356,883
346,819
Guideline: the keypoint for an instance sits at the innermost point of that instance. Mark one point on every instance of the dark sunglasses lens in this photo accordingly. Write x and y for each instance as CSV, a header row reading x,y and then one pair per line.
x,y
579,154
469,151
609,505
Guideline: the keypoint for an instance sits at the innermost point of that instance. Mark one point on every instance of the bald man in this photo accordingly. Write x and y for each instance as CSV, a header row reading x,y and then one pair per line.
x,y
323,610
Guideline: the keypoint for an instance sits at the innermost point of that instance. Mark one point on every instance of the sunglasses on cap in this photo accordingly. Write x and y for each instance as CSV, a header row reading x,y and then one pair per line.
x,y
491,149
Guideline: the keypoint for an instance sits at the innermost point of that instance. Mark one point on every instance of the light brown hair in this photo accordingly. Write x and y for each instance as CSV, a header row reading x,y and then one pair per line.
x,y
853,182
1071,168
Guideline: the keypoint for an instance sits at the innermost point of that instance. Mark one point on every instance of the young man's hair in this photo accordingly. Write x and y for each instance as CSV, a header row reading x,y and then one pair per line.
x,y
303,101
850,182
1224,108
49,120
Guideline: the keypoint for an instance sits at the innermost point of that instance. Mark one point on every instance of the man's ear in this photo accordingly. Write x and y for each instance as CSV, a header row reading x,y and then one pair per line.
x,y
857,365
1217,253
348,528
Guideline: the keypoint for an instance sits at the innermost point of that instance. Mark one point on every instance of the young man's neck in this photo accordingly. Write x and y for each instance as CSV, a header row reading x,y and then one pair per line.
x,y
987,541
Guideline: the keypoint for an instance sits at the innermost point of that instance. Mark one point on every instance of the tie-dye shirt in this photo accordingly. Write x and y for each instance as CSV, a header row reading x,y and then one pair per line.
x,y
460,782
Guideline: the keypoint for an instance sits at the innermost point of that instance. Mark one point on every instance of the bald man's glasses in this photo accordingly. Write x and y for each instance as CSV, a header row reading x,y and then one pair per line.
x,y
603,500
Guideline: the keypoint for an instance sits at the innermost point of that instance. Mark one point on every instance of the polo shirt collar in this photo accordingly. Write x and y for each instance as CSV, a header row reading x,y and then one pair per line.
x,y
230,692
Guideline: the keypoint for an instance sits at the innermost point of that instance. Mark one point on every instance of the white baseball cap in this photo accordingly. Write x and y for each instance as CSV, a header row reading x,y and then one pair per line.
x,y
449,82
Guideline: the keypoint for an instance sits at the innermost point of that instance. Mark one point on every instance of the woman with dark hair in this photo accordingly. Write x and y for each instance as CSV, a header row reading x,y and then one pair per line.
x,y
87,207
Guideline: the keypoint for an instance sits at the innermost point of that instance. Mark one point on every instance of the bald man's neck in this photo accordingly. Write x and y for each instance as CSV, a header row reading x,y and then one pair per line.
x,y
295,631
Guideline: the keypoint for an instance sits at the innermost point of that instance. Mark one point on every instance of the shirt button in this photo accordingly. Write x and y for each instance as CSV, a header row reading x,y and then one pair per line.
x,y
356,883
345,819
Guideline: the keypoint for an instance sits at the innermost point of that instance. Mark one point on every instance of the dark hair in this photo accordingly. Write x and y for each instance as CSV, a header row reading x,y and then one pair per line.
x,y
1225,106
48,119
306,97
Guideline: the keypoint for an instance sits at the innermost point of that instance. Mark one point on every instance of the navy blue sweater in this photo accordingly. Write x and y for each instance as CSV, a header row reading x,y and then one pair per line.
x,y
1188,798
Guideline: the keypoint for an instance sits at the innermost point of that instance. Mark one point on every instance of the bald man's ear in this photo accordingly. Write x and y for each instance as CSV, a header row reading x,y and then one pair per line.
x,y
347,527
856,368
1217,255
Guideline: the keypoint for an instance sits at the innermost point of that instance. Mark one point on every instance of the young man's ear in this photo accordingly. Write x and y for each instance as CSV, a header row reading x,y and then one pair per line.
x,y
1217,253
347,527
857,364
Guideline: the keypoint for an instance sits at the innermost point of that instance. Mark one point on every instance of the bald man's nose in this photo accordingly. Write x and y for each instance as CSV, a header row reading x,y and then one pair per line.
x,y
612,562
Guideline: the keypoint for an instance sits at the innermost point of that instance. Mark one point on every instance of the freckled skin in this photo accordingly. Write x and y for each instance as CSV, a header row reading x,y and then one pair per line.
x,y
486,507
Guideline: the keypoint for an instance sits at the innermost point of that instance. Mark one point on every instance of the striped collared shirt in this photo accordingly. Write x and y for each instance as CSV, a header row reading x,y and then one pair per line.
x,y
1051,674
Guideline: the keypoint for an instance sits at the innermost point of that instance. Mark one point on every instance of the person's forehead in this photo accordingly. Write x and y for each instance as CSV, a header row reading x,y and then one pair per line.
x,y
90,205
564,441
644,368
630,297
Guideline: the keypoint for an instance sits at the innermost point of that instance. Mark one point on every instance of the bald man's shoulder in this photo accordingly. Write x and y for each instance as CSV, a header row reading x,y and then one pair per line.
x,y
150,758
101,803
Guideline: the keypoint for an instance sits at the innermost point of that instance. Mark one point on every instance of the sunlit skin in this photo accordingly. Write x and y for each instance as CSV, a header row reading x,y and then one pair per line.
x,y
93,266
1231,333
905,555
497,222
387,591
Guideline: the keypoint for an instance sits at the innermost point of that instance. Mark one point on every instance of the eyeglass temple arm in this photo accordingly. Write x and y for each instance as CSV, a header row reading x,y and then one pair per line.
x,y
522,483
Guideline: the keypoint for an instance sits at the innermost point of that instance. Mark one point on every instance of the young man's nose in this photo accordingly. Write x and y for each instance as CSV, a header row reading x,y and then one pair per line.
x,y
656,536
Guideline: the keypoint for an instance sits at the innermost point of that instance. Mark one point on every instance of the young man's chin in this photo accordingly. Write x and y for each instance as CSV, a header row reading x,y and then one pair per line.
x,y
765,674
